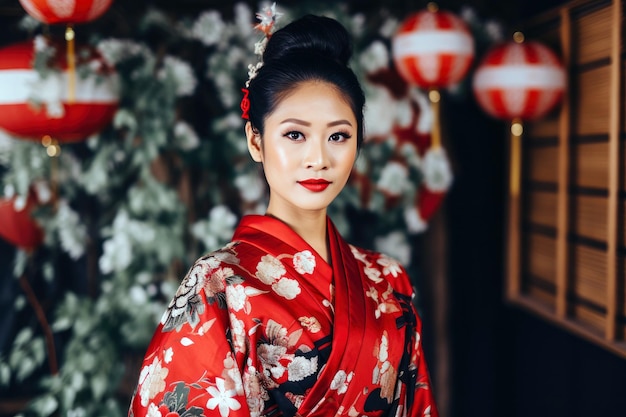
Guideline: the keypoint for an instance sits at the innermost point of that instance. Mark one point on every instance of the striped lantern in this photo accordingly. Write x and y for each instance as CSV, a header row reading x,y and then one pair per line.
x,y
65,11
95,102
519,80
433,49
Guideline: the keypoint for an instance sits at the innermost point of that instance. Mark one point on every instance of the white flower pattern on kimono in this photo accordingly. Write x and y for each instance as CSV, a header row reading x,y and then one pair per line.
x,y
341,381
288,288
152,381
222,398
390,265
373,274
168,355
301,367
236,296
238,333
269,269
384,373
153,411
311,323
304,262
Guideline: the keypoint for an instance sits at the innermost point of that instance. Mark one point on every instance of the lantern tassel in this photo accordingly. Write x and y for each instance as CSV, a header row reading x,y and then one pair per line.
x,y
435,98
71,64
516,151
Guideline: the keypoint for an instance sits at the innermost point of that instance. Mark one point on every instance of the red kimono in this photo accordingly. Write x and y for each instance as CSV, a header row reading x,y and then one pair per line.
x,y
266,327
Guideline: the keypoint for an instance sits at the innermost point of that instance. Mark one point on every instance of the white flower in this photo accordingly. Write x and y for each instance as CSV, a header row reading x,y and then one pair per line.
x,y
436,169
304,262
288,288
40,43
250,186
182,74
218,229
414,221
375,57
395,245
208,28
117,254
117,50
137,295
269,269
186,136
243,16
394,179
222,398
72,233
494,31
379,112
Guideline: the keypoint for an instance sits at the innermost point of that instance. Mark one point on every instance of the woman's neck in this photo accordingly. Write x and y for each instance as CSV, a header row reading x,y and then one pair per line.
x,y
311,227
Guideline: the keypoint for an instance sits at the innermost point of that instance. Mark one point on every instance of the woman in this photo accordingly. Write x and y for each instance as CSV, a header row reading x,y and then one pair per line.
x,y
288,319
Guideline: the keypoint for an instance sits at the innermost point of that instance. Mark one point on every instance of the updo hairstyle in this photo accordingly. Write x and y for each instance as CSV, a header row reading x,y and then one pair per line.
x,y
312,48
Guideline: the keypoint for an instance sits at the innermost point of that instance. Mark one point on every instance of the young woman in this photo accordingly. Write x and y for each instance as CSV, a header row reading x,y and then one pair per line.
x,y
288,319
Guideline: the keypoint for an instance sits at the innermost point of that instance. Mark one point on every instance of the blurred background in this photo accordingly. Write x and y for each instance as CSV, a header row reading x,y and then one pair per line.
x,y
112,184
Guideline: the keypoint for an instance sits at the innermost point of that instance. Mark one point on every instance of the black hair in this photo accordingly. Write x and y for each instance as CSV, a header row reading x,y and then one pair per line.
x,y
312,48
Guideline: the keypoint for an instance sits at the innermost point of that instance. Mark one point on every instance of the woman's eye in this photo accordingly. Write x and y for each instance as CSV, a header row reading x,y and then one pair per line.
x,y
294,135
338,137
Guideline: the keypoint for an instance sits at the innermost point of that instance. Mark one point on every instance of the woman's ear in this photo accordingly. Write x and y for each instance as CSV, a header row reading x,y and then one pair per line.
x,y
253,137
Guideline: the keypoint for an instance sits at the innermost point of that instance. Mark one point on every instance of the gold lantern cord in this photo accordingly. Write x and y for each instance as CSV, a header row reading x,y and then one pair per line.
x,y
435,99
71,63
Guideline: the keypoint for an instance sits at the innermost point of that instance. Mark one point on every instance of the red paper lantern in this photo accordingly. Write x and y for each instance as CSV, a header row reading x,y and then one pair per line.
x,y
519,81
17,226
65,11
433,49
95,102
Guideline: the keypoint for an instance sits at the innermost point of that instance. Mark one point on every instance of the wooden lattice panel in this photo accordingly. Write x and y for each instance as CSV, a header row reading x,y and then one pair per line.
x,y
567,226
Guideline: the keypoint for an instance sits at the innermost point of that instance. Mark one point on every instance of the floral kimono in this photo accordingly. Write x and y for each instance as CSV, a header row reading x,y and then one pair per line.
x,y
266,327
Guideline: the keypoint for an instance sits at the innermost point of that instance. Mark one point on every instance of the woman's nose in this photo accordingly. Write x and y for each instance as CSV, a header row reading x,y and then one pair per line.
x,y
317,157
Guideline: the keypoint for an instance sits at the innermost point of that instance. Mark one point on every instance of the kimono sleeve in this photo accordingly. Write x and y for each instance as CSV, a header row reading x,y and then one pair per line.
x,y
423,399
190,368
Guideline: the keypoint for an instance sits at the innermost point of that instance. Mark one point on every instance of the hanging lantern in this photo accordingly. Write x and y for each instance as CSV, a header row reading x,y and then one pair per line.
x,y
519,80
68,12
65,11
33,106
431,50
17,226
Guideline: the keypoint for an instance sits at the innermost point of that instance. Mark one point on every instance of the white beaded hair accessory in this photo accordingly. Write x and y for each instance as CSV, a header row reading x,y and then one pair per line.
x,y
268,17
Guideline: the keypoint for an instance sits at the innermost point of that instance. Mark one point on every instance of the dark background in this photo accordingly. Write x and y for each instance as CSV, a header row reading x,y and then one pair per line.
x,y
503,361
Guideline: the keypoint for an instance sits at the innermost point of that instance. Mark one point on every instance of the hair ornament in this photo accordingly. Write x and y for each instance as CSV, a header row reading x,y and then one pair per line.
x,y
267,17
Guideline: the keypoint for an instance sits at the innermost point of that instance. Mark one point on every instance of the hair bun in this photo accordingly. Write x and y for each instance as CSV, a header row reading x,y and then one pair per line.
x,y
311,34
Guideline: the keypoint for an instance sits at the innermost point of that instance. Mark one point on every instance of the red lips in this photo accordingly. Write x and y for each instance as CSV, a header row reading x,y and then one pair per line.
x,y
315,184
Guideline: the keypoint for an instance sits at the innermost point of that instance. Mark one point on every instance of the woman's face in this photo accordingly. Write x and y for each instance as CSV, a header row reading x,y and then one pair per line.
x,y
308,149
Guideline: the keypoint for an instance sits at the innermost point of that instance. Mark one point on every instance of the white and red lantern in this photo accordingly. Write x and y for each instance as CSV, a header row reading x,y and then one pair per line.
x,y
524,80
433,49
95,102
65,11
